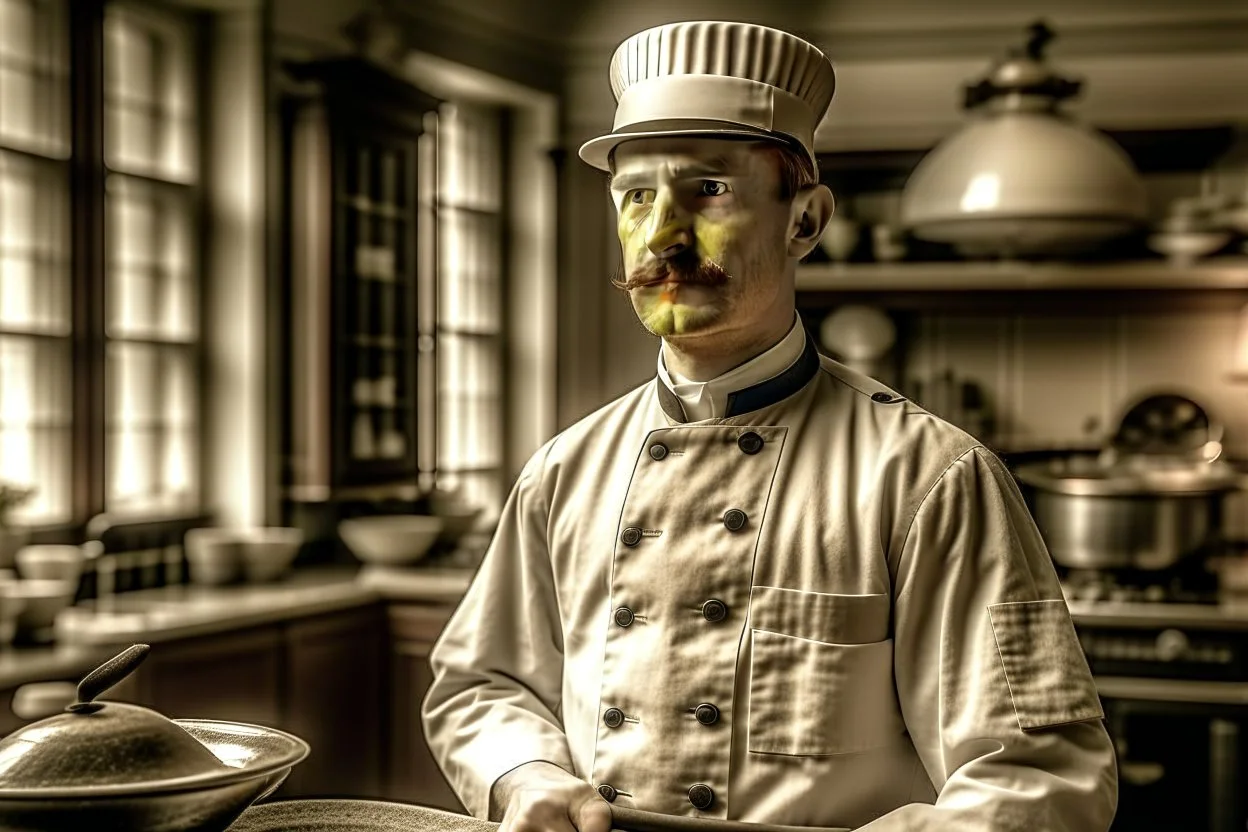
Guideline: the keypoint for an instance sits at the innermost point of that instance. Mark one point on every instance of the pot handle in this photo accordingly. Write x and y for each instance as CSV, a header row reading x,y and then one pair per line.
x,y
635,820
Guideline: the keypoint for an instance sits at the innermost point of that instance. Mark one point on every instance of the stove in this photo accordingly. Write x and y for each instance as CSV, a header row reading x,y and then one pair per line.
x,y
1170,657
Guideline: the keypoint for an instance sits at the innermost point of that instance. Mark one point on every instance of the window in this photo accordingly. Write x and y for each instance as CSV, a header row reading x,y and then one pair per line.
x,y
462,329
143,317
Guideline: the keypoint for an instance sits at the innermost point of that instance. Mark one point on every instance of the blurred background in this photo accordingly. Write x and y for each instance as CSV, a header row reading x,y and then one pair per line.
x,y
296,286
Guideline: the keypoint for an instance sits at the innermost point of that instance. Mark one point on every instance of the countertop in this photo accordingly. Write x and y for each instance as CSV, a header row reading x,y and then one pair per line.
x,y
1229,613
90,632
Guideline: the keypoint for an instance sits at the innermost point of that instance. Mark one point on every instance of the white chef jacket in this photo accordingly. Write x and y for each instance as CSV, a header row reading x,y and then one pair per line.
x,y
854,586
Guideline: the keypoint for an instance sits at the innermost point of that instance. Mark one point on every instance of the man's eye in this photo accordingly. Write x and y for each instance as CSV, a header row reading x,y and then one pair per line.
x,y
640,197
712,188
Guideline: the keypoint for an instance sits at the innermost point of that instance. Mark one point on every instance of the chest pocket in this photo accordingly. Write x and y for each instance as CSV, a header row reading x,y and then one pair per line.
x,y
821,673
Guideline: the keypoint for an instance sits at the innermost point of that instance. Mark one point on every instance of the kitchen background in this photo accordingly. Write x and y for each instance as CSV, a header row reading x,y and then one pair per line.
x,y
270,265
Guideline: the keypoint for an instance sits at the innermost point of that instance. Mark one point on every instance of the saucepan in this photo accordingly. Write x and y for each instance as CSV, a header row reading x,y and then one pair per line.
x,y
377,816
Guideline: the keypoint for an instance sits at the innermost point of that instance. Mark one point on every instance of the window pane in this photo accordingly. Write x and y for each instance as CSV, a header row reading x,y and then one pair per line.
x,y
152,429
150,274
34,77
34,424
34,243
149,94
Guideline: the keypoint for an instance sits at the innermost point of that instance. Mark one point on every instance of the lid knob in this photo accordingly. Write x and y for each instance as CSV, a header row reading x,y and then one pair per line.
x,y
107,675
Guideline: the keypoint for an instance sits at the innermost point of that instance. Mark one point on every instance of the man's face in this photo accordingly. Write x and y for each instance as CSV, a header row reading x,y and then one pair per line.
x,y
704,233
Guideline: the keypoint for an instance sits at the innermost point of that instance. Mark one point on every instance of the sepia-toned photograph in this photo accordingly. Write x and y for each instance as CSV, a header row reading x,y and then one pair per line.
x,y
598,416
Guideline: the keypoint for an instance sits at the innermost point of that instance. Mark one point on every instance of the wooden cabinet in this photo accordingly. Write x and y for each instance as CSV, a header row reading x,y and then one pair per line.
x,y
353,145
349,683
334,698
414,776
227,676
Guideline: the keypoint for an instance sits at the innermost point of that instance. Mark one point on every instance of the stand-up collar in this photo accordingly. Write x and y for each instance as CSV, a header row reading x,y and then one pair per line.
x,y
756,396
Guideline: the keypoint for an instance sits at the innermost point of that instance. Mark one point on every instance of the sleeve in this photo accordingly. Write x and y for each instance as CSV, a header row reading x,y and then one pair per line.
x,y
991,679
498,665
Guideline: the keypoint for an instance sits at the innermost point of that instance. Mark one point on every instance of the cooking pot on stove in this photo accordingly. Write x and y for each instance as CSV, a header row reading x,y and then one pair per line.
x,y
1153,497
116,766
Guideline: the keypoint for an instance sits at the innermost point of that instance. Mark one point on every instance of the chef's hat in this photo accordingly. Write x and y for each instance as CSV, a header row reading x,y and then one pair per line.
x,y
709,78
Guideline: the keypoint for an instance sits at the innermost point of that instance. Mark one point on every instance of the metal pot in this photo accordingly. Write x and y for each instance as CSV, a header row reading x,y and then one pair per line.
x,y
1094,516
116,767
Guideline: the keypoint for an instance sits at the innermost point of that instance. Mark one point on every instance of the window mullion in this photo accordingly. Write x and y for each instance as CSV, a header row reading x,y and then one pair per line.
x,y
88,253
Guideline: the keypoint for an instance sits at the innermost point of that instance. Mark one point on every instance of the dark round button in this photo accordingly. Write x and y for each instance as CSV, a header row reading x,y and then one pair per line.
x,y
701,796
607,792
613,717
750,443
734,519
714,610
658,451
631,536
624,617
883,398
706,713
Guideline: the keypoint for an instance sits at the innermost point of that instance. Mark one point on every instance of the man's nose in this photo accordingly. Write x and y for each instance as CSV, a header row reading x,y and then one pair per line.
x,y
669,233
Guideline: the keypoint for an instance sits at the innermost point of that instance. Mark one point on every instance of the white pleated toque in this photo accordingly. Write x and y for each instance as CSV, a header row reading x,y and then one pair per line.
x,y
714,78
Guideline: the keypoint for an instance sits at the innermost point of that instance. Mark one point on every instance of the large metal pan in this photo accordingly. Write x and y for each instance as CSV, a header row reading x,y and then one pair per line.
x,y
376,816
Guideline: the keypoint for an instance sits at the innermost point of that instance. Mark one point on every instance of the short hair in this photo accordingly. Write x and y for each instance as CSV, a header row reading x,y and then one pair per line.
x,y
796,169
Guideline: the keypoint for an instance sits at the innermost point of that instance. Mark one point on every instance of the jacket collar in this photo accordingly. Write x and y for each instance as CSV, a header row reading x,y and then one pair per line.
x,y
756,396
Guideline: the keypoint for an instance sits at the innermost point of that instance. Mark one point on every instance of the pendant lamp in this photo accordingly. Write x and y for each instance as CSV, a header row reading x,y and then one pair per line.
x,y
1022,178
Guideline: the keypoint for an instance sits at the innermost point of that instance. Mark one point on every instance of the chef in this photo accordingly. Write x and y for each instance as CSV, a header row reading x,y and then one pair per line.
x,y
760,586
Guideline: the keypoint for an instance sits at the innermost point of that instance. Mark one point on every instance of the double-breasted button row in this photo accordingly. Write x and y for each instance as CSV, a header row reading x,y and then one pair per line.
x,y
701,796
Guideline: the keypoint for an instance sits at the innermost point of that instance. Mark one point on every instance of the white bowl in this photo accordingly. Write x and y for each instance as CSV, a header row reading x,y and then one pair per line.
x,y
50,562
219,556
1186,246
840,238
41,601
214,556
268,552
391,540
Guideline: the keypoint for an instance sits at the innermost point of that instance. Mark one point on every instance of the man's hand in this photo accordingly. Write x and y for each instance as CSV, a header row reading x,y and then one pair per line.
x,y
541,797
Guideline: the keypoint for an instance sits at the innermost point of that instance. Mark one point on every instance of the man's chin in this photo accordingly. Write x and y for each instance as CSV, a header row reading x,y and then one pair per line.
x,y
676,320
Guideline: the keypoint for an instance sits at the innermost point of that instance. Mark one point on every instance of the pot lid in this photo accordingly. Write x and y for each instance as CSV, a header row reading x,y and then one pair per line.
x,y
1020,177
1167,426
101,744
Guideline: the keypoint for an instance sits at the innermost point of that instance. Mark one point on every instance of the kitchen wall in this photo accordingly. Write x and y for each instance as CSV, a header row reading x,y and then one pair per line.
x,y
900,66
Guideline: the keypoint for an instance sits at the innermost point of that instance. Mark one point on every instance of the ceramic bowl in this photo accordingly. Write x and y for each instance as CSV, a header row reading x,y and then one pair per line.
x,y
214,556
839,239
391,540
55,563
267,553
1186,246
40,601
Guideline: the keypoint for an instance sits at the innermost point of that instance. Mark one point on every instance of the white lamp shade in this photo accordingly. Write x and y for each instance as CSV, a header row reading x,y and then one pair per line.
x,y
1024,182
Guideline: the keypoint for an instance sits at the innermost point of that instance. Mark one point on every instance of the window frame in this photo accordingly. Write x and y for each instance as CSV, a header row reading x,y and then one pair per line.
x,y
88,264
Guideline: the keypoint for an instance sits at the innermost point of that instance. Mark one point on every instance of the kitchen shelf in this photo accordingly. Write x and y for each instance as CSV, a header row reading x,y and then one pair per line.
x,y
1119,287
1221,273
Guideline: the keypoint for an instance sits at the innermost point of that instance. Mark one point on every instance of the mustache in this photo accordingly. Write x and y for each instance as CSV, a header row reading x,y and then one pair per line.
x,y
685,268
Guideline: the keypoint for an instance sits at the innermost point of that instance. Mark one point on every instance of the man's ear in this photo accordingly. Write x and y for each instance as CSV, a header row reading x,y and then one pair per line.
x,y
811,209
